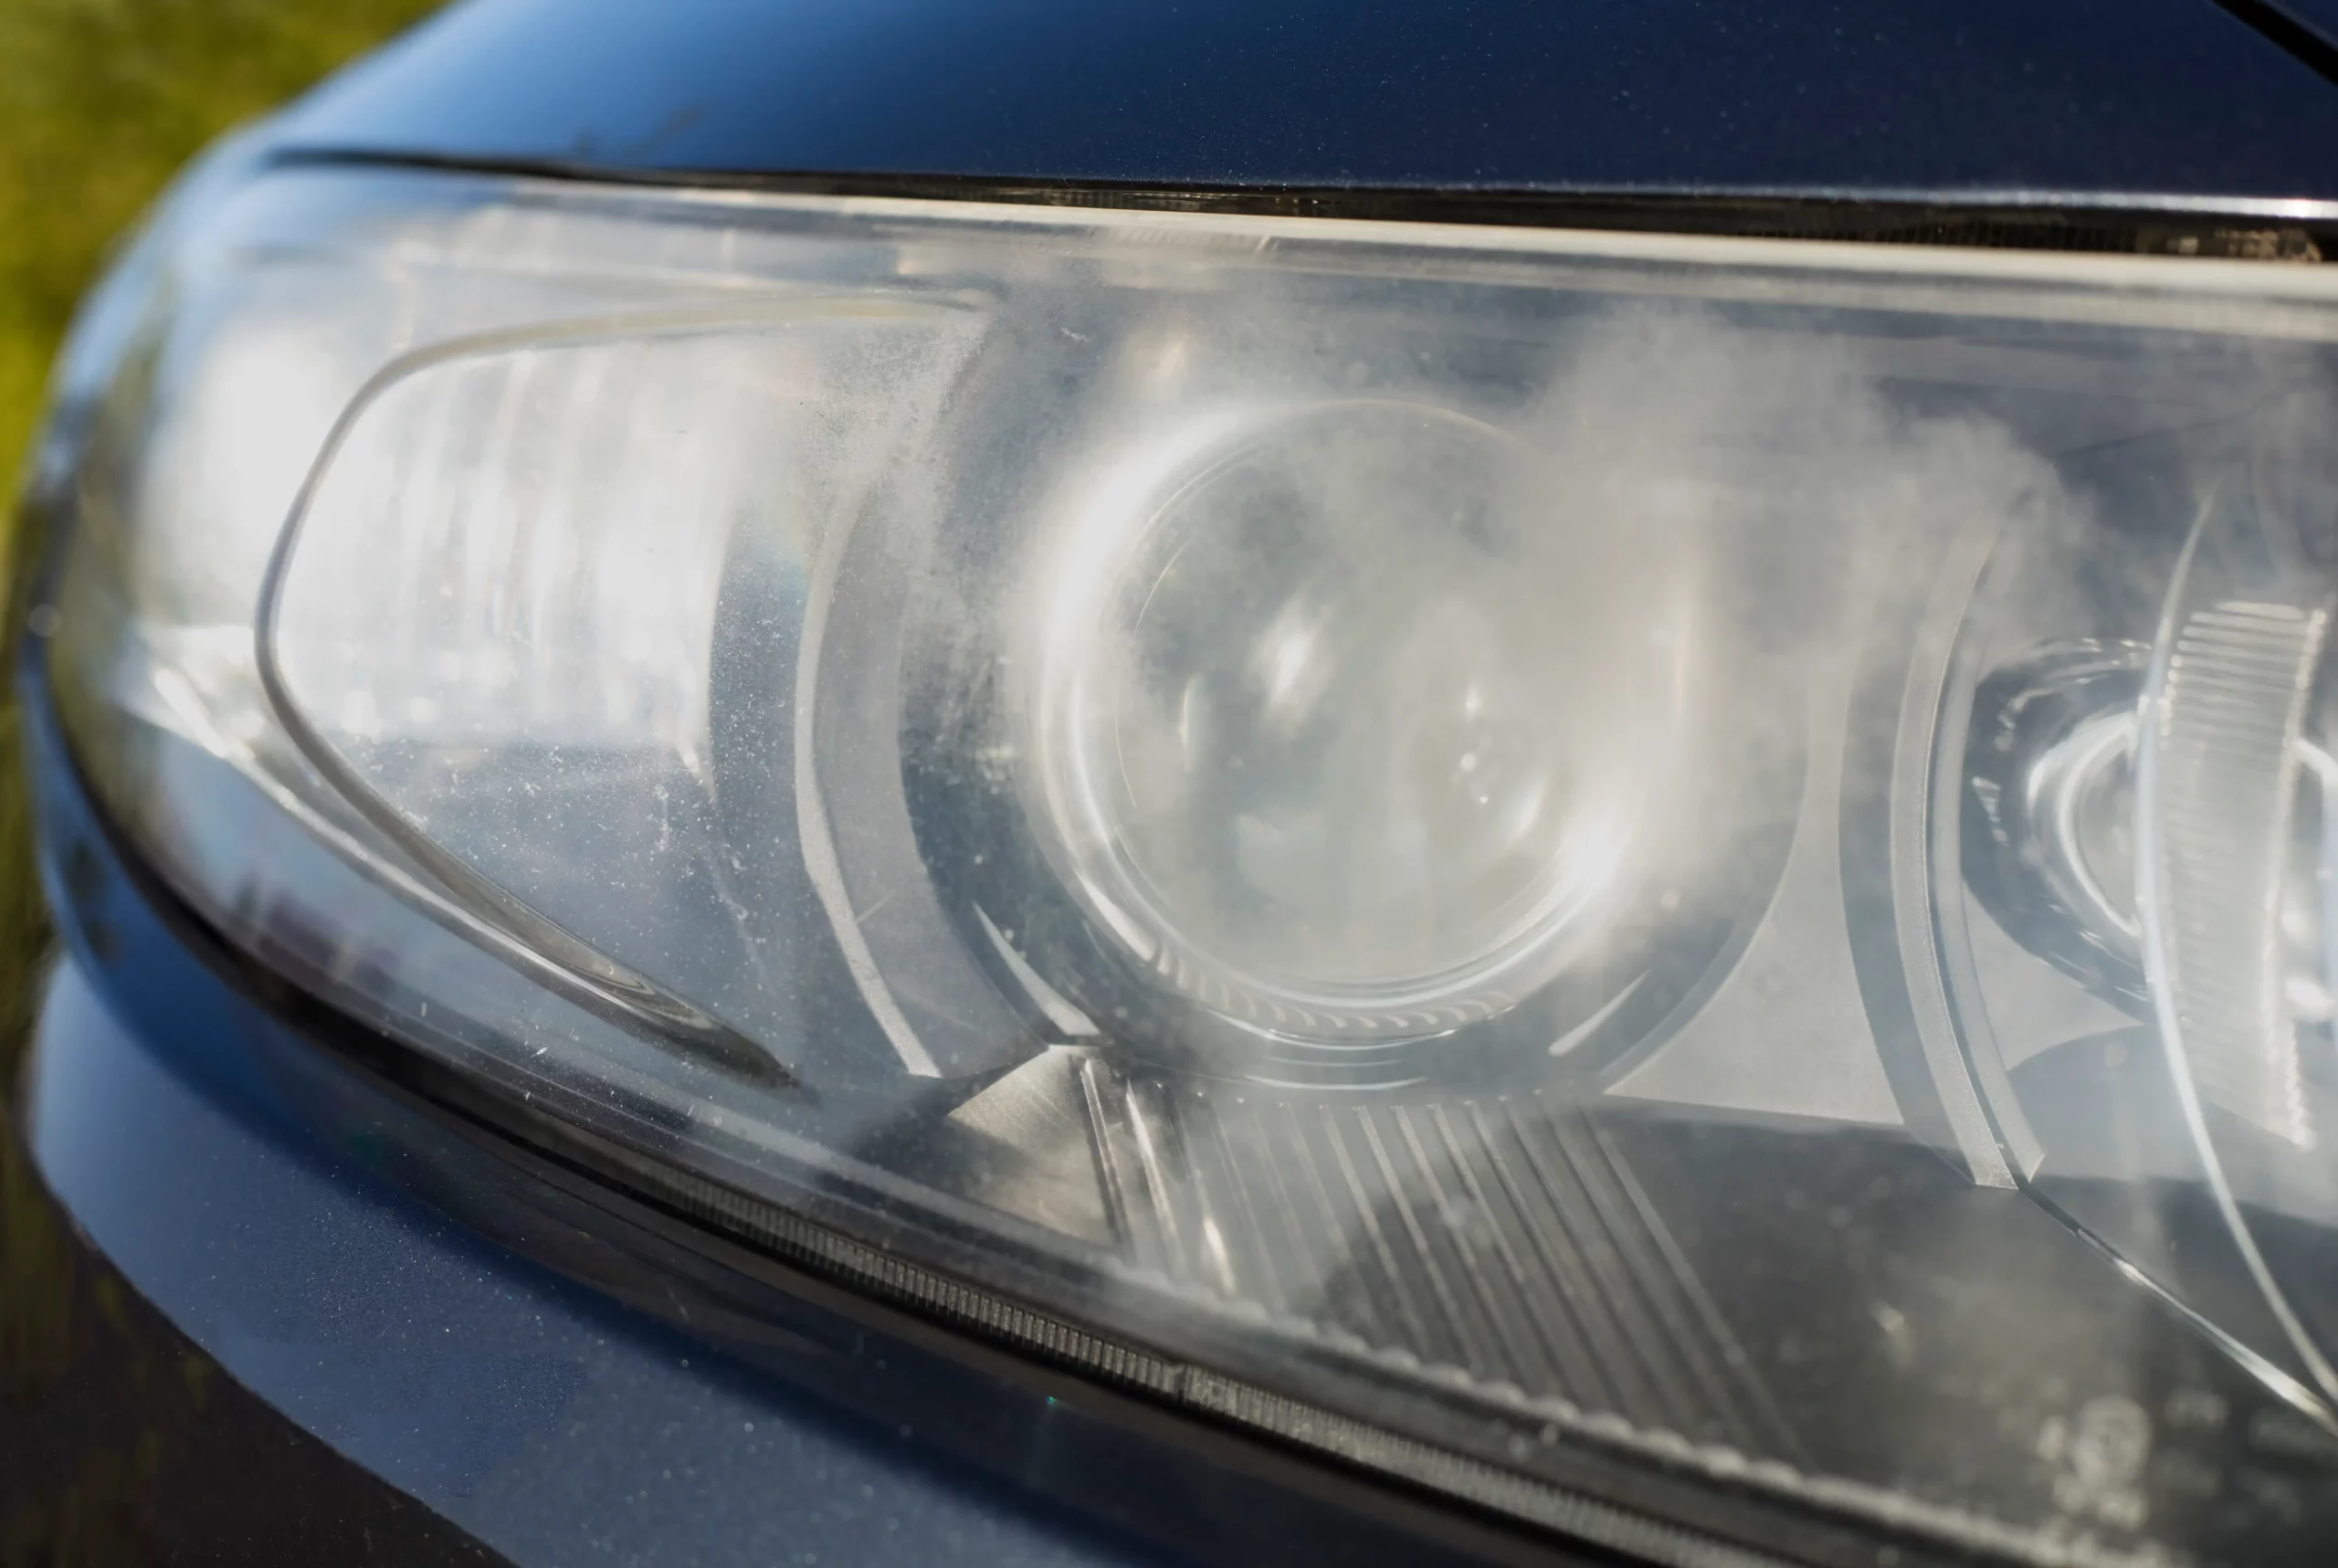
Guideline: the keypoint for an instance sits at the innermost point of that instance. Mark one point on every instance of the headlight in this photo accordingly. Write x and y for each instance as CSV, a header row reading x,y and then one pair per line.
x,y
1643,878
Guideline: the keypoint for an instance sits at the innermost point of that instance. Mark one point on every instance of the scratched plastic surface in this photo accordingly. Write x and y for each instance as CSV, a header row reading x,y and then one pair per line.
x,y
1677,884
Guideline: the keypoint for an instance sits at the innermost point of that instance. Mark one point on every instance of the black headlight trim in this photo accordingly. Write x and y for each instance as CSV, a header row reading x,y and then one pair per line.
x,y
2235,230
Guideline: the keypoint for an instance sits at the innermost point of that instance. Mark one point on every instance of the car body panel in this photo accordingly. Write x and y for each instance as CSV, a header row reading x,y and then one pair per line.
x,y
2097,98
548,1422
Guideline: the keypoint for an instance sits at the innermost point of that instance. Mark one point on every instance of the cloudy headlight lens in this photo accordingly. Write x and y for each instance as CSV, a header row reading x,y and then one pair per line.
x,y
1297,739
1680,886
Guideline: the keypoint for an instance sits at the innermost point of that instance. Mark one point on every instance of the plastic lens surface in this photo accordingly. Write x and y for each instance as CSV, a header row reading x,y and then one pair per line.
x,y
1683,886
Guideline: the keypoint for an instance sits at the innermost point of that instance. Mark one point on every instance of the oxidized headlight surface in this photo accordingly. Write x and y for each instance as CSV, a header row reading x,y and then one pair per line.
x,y
1681,885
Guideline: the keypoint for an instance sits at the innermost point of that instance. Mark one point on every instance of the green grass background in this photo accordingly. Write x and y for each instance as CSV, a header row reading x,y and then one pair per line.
x,y
100,101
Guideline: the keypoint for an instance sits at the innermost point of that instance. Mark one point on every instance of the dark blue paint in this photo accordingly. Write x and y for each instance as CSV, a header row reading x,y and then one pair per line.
x,y
2318,16
553,1426
2139,97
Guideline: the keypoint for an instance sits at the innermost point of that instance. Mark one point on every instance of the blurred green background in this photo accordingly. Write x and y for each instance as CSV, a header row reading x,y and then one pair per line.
x,y
99,101
109,1430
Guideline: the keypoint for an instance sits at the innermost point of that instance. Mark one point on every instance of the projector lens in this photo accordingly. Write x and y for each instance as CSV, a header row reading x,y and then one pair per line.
x,y
1306,734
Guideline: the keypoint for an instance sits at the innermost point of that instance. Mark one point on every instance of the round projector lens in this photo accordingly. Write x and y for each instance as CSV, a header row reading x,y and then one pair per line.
x,y
1345,734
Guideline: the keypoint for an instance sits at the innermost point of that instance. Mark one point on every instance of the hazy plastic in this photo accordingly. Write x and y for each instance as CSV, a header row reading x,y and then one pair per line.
x,y
1565,851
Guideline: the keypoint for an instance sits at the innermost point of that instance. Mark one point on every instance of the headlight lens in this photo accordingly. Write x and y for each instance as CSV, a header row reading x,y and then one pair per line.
x,y
1293,734
1634,859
